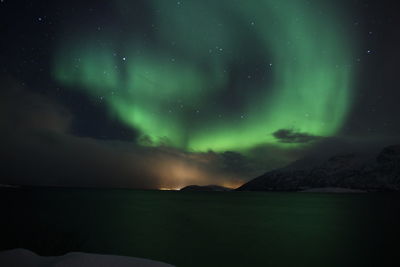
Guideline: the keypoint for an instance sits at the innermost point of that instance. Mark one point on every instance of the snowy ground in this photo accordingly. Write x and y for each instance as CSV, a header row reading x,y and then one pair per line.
x,y
26,258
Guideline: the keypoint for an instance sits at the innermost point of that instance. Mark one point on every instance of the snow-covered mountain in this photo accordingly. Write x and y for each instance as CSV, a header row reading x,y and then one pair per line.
x,y
379,172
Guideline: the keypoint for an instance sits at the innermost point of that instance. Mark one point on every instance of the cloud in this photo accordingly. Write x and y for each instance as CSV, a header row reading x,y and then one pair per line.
x,y
291,136
39,148
24,110
56,159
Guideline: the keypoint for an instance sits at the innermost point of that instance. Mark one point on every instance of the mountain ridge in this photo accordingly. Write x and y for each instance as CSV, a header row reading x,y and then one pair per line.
x,y
379,172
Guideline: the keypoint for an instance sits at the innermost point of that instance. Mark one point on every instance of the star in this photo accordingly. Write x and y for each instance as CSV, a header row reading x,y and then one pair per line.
x,y
214,63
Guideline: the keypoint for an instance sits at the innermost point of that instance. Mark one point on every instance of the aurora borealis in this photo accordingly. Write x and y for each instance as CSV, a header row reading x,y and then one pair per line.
x,y
217,75
201,132
157,94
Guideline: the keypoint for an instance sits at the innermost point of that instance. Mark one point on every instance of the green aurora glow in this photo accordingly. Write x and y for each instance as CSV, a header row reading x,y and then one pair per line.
x,y
287,62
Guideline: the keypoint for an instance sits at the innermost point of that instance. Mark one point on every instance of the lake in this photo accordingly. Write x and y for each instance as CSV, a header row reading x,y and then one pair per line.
x,y
206,228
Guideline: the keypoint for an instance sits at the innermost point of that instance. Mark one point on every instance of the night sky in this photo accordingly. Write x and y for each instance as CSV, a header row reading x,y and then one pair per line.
x,y
161,94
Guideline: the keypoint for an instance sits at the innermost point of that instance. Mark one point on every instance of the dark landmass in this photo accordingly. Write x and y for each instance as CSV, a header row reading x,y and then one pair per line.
x,y
373,173
333,190
213,188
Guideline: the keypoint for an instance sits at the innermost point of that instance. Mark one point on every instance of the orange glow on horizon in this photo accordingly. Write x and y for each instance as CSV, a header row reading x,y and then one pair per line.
x,y
175,174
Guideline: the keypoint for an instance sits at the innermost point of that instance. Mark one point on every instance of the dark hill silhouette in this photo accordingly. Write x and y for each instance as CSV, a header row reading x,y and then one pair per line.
x,y
214,188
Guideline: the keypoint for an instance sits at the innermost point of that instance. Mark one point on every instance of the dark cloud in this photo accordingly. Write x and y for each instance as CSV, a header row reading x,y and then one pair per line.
x,y
291,136
39,148
24,110
245,165
58,159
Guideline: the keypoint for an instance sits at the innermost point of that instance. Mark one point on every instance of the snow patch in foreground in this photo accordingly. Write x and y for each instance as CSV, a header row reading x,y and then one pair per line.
x,y
25,258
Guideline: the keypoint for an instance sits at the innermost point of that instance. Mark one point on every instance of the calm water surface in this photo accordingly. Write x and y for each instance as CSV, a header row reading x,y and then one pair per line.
x,y
207,229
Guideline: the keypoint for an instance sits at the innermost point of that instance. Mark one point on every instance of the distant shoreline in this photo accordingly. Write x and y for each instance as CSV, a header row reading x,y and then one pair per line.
x,y
332,190
336,190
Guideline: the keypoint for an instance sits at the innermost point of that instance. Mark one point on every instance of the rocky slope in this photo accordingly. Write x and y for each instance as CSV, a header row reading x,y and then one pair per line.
x,y
374,173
